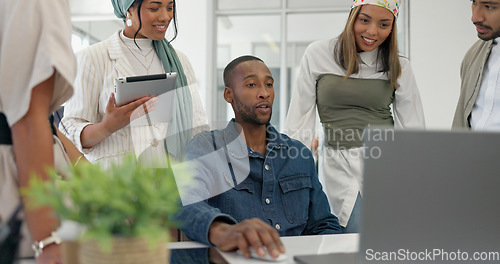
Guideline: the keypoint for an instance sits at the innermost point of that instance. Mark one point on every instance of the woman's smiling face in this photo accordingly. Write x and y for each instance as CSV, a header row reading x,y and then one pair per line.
x,y
372,27
155,16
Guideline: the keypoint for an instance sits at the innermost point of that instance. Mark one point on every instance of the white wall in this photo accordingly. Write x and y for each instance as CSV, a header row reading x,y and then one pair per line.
x,y
192,38
441,32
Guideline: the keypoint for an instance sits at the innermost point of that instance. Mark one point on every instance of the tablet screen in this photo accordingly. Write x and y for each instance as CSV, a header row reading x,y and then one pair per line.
x,y
128,89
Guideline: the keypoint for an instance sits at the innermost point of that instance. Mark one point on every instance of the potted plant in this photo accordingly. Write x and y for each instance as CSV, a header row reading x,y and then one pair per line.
x,y
123,209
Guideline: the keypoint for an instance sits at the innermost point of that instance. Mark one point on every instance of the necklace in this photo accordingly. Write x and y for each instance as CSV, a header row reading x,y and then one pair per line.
x,y
150,63
137,52
155,142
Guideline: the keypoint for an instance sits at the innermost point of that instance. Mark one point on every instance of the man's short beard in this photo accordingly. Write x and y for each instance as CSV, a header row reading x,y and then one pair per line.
x,y
493,36
248,114
253,119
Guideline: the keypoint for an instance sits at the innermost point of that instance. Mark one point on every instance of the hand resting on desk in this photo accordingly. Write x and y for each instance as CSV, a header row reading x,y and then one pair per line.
x,y
248,233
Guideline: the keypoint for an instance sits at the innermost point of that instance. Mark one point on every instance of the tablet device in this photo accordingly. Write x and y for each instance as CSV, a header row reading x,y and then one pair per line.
x,y
128,89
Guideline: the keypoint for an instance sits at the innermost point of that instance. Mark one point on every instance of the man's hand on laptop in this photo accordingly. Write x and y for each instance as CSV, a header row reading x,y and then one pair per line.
x,y
248,233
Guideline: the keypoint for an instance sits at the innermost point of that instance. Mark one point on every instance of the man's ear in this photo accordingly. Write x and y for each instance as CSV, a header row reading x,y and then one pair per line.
x,y
228,94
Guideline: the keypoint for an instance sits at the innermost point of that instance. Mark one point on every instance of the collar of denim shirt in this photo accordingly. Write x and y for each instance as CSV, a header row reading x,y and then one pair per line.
x,y
238,148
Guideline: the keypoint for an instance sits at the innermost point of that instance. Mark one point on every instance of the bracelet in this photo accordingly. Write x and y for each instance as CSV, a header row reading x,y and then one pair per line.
x,y
38,246
77,160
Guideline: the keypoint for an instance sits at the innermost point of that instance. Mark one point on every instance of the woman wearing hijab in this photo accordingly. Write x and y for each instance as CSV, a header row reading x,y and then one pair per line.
x,y
93,121
353,80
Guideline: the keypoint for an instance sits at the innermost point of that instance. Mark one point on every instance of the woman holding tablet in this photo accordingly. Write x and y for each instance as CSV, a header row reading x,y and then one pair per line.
x,y
353,80
93,121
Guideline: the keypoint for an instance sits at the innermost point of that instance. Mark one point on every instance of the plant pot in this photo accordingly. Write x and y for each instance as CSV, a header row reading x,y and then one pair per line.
x,y
70,252
123,251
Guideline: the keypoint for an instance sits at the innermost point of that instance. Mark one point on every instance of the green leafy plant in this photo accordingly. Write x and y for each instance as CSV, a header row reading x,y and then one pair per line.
x,y
126,200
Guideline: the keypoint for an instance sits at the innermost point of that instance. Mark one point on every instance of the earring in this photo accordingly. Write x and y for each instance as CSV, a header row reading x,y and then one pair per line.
x,y
129,21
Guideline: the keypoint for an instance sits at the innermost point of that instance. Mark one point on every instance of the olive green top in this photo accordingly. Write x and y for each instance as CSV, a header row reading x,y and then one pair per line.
x,y
347,107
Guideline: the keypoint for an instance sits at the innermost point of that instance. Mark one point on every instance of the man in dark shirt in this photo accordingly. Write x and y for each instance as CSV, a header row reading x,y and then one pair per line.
x,y
252,183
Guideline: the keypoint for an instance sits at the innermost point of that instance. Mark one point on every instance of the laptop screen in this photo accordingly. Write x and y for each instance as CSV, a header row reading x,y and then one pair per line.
x,y
430,196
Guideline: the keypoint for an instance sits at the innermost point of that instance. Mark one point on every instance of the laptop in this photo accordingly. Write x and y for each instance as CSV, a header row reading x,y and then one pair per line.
x,y
428,197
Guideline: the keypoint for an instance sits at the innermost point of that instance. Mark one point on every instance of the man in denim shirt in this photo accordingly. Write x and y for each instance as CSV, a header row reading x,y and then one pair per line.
x,y
262,185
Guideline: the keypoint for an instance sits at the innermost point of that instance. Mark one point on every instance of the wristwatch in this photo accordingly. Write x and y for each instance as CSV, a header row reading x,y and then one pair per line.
x,y
40,245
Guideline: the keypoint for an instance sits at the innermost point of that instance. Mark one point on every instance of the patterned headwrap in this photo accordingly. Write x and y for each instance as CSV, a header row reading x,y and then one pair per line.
x,y
179,130
391,5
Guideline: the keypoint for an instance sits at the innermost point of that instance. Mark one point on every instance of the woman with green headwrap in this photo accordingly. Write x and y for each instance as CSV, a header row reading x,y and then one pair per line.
x,y
92,120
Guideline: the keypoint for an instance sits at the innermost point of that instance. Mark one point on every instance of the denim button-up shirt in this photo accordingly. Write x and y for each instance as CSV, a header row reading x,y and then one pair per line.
x,y
281,188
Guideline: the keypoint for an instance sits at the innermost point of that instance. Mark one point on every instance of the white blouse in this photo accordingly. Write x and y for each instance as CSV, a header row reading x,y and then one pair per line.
x,y
99,65
31,50
341,169
319,59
